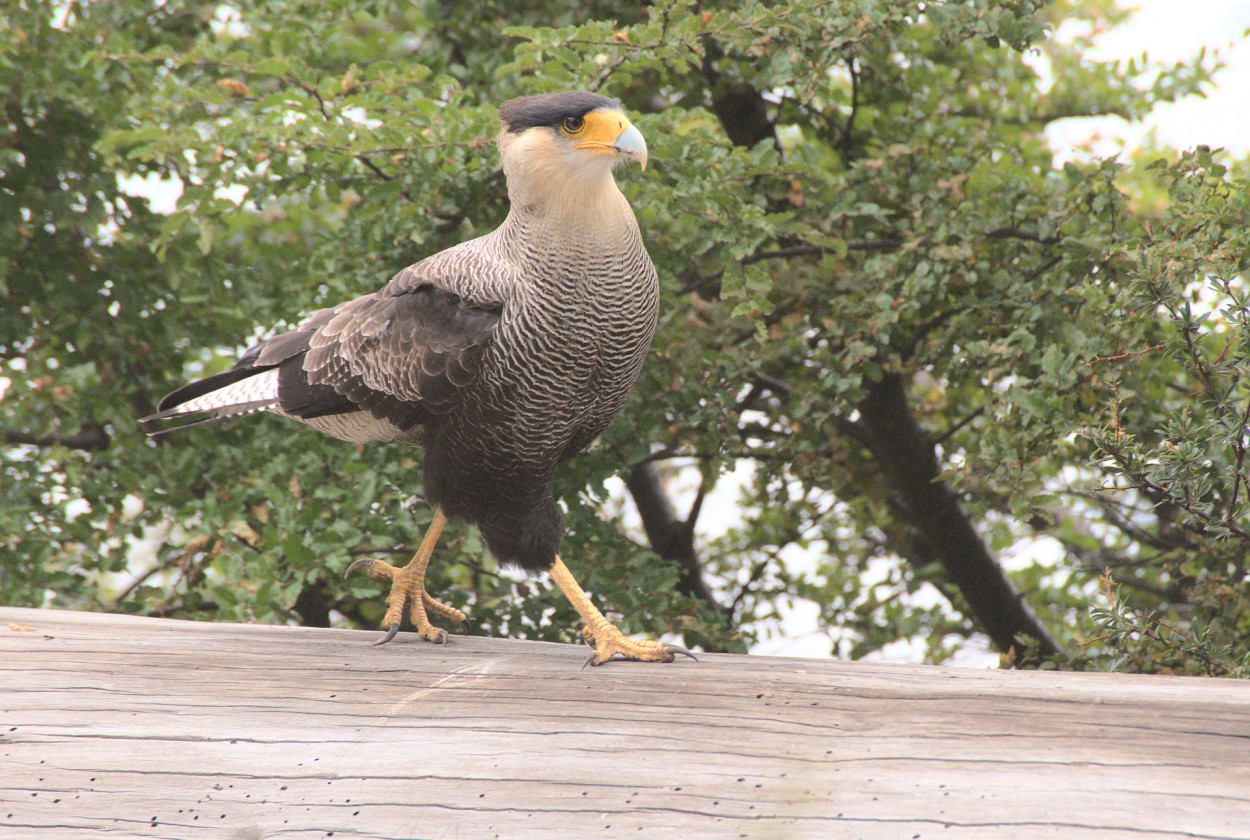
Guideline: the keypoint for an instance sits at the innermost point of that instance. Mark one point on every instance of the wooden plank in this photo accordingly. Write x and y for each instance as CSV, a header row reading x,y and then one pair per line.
x,y
131,727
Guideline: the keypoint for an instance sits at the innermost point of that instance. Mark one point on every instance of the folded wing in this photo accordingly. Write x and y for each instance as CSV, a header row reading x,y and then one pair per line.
x,y
369,369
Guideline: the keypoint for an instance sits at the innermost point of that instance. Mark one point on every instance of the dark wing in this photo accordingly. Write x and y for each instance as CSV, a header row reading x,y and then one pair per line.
x,y
403,355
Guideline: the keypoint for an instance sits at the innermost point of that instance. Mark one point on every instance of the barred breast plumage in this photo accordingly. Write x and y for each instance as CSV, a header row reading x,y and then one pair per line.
x,y
579,310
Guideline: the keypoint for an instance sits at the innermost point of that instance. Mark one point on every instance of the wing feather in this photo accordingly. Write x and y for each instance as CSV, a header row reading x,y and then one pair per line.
x,y
407,352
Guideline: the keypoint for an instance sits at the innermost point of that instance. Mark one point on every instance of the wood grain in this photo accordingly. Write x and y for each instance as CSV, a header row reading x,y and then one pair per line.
x,y
129,727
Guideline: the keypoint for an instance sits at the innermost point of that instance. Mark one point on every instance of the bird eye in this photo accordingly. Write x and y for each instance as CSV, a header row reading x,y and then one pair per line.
x,y
573,124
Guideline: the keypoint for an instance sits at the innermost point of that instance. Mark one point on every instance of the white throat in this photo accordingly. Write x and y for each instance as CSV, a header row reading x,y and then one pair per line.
x,y
553,181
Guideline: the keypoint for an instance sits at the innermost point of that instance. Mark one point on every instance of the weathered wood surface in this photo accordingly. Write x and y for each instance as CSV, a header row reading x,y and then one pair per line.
x,y
128,727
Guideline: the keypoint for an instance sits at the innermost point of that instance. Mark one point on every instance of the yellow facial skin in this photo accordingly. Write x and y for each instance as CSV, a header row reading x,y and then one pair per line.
x,y
608,133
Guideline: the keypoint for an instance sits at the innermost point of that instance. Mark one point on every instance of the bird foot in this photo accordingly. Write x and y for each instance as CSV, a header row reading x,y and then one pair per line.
x,y
407,589
610,643
604,636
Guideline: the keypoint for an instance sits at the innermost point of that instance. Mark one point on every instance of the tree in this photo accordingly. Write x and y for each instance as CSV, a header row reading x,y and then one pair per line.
x,y
880,295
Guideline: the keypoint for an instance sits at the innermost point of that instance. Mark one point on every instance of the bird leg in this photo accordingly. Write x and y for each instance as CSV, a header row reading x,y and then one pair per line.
x,y
604,636
408,588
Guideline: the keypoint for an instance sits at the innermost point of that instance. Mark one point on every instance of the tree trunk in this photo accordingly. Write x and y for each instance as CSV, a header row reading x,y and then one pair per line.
x,y
671,537
906,455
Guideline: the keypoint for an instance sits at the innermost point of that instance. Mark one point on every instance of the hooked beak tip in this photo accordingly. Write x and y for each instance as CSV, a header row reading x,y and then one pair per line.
x,y
631,145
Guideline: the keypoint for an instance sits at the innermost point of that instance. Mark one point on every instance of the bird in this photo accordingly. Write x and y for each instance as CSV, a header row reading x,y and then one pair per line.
x,y
501,357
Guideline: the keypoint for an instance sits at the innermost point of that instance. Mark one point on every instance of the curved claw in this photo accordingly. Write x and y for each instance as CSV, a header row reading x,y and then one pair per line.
x,y
682,651
440,637
362,563
590,660
390,634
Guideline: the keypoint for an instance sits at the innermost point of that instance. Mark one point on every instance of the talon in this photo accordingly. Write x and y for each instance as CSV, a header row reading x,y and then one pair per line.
x,y
362,563
376,569
682,651
390,634
590,660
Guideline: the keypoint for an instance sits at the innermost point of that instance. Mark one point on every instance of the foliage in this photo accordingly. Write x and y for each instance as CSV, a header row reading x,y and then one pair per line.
x,y
1152,644
843,194
1173,454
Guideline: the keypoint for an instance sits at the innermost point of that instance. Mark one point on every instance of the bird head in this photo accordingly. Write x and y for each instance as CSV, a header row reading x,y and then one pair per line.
x,y
565,145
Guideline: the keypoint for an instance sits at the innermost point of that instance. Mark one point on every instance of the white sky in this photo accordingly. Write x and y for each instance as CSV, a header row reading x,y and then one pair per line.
x,y
1170,31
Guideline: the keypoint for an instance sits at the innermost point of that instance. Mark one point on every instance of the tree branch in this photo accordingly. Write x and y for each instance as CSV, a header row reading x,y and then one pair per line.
x,y
671,537
92,438
1019,233
861,246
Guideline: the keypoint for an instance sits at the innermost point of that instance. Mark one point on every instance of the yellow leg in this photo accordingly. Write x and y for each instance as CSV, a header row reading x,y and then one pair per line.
x,y
604,636
408,589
